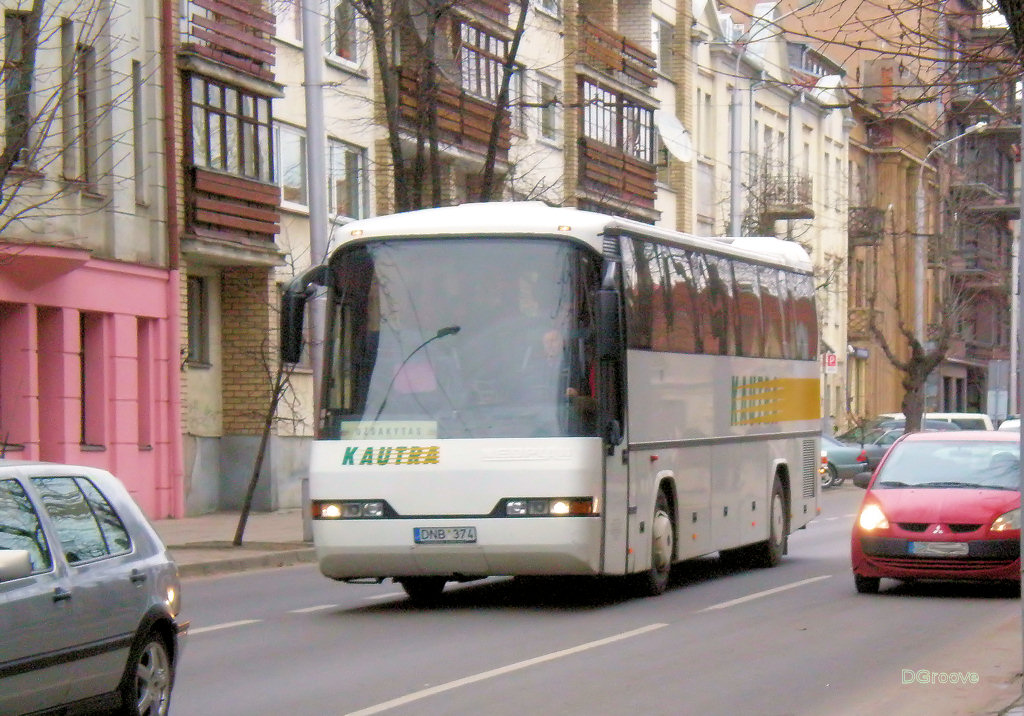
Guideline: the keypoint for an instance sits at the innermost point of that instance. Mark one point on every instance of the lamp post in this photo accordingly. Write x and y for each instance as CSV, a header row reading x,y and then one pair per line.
x,y
735,113
921,243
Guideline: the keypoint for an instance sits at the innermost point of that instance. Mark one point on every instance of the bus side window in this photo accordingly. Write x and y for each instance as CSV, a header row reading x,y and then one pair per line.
x,y
772,293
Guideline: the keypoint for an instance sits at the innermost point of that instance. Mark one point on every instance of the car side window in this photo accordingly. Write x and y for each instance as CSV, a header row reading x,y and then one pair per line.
x,y
20,527
86,523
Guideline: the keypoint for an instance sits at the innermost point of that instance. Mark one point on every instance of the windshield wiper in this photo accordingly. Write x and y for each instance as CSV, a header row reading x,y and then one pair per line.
x,y
950,483
893,483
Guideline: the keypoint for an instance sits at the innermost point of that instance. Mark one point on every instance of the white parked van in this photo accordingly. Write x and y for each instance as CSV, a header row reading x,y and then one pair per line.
x,y
966,421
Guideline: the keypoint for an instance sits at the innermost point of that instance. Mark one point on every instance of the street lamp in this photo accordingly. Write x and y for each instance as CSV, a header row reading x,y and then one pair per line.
x,y
921,243
736,111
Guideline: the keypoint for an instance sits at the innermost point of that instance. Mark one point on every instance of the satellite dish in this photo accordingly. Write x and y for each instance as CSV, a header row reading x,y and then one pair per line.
x,y
674,135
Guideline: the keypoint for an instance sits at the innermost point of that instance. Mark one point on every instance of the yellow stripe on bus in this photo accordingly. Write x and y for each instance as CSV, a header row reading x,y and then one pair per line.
x,y
772,400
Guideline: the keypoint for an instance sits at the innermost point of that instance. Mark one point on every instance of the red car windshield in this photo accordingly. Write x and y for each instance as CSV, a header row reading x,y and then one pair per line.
x,y
965,464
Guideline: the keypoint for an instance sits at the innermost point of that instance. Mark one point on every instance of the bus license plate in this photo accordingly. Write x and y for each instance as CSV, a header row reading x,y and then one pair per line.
x,y
443,535
939,549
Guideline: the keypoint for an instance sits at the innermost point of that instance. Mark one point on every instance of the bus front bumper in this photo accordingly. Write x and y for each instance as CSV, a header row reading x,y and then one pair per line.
x,y
503,546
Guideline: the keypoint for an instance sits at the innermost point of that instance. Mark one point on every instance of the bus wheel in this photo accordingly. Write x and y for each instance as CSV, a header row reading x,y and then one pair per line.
x,y
769,553
655,580
423,590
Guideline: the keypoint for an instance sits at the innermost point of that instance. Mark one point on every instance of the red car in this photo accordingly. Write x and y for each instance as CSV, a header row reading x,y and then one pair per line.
x,y
941,506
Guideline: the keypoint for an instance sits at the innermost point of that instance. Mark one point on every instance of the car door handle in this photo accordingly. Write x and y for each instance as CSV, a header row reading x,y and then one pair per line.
x,y
60,594
137,576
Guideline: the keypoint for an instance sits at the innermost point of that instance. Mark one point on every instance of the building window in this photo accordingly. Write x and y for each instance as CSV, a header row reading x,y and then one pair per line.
x,y
613,120
17,82
93,379
291,163
517,98
481,56
346,174
198,320
343,31
551,7
146,337
661,42
85,106
548,91
138,132
288,14
231,130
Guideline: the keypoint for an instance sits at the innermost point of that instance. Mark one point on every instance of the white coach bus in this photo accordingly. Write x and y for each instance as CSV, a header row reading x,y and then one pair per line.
x,y
515,389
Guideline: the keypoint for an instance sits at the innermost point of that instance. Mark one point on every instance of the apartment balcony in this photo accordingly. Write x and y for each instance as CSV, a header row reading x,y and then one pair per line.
x,y
463,120
612,55
859,321
230,219
612,178
233,33
984,351
985,185
494,10
787,196
978,268
977,99
865,225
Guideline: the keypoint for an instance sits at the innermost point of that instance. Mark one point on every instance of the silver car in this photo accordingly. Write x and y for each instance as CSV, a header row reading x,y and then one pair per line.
x,y
89,597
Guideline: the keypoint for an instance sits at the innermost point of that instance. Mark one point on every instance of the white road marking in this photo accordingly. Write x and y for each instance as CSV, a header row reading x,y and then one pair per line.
x,y
225,625
765,593
307,610
388,595
440,688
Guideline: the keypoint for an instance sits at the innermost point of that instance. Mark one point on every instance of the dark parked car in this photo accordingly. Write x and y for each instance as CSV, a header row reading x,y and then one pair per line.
x,y
858,434
840,461
941,506
89,596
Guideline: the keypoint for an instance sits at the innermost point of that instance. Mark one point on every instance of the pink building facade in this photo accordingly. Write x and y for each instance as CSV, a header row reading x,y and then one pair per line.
x,y
89,368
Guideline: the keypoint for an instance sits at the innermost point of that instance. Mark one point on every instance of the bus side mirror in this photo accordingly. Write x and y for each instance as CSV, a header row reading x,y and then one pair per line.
x,y
609,325
293,310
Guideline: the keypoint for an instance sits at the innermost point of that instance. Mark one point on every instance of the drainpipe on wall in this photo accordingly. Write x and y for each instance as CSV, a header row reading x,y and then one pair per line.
x,y
175,460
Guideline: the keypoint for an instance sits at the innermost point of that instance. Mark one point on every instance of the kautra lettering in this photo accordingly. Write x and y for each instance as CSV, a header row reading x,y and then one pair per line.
x,y
400,455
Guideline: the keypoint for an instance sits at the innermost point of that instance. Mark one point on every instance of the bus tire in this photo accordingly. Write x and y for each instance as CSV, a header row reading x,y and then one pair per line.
x,y
423,590
769,553
654,581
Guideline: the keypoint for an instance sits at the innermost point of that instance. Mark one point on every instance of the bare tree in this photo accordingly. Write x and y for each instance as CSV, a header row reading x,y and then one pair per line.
x,y
923,354
416,46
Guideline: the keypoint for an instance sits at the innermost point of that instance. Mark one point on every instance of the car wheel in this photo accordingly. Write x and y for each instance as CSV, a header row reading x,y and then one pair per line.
x,y
148,677
654,581
834,479
866,585
423,590
769,553
826,477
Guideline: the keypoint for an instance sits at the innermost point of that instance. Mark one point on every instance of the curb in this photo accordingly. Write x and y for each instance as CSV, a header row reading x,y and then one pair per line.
x,y
221,563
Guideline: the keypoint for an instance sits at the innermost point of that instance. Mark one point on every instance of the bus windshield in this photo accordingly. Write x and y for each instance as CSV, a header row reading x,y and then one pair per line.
x,y
450,338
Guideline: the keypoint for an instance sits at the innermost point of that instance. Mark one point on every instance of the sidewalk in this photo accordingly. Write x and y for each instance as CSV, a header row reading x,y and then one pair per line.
x,y
203,545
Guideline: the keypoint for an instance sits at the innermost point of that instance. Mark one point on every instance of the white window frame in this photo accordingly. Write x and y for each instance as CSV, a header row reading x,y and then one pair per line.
x,y
549,116
352,161
352,32
285,168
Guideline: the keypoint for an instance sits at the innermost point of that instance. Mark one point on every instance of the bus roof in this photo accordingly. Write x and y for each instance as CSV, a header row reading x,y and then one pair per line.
x,y
535,218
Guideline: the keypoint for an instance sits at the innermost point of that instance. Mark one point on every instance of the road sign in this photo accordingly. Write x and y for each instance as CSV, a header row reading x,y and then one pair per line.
x,y
831,363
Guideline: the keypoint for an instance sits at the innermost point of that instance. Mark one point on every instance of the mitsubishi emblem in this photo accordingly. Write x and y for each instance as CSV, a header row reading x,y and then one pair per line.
x,y
937,530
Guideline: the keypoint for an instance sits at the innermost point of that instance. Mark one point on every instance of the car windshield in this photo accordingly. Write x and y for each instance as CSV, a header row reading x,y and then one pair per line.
x,y
967,464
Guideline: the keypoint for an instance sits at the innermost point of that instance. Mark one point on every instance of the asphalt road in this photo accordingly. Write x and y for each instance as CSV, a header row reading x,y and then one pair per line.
x,y
796,639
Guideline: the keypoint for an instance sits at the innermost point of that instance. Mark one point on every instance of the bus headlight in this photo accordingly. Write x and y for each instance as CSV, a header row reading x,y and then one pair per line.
x,y
549,506
1007,521
347,509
